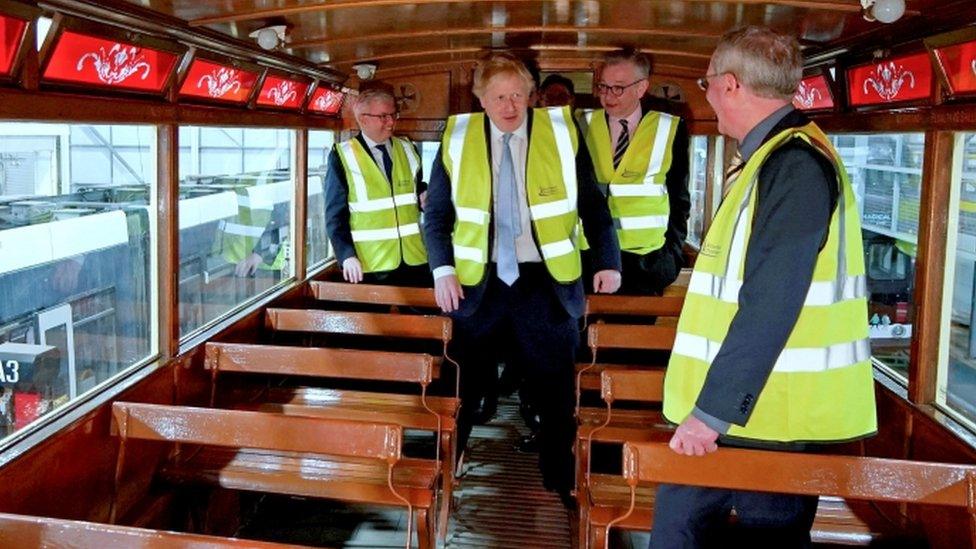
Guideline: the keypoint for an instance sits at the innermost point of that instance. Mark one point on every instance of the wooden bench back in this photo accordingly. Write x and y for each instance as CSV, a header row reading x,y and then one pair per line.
x,y
320,362
633,385
374,294
29,531
850,477
258,430
627,305
630,336
356,323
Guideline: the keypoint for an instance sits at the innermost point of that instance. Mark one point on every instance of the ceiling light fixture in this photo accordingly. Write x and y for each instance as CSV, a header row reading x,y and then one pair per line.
x,y
365,71
271,37
883,11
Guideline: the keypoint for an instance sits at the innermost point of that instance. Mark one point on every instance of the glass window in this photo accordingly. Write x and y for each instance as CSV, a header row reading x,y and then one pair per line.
x,y
957,360
698,171
886,173
77,262
317,243
236,190
428,152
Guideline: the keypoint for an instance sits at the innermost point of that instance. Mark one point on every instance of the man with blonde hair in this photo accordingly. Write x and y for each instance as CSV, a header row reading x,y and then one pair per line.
x,y
507,191
771,349
372,192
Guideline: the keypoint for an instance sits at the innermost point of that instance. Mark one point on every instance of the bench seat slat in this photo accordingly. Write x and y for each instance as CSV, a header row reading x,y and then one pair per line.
x,y
627,305
631,336
354,323
315,396
408,419
590,380
373,294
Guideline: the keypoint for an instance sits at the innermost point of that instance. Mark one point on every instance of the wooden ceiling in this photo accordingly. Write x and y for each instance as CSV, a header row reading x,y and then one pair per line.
x,y
403,36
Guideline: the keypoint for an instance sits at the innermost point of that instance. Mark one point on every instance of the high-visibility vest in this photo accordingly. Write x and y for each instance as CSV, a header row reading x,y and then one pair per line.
x,y
255,211
384,217
821,387
551,191
635,189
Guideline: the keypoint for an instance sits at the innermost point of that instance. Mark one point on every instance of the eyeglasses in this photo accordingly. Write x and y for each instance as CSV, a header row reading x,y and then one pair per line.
x,y
703,81
615,91
385,117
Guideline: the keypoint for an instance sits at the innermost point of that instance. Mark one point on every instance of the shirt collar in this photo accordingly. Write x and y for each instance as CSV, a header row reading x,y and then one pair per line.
x,y
373,144
754,139
633,119
521,132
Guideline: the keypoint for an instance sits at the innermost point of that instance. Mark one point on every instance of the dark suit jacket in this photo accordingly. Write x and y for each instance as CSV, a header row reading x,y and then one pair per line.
x,y
337,203
797,193
592,207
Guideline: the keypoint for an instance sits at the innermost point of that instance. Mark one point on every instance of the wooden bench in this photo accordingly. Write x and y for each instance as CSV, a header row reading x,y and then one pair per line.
x,y
617,426
598,305
605,337
373,294
834,476
423,412
351,461
29,531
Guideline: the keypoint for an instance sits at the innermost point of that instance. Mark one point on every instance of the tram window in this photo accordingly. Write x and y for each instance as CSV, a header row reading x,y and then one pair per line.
x,y
77,256
428,153
236,195
886,173
696,184
317,248
957,359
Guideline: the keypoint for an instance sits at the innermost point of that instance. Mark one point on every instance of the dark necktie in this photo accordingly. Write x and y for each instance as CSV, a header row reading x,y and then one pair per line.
x,y
623,140
387,162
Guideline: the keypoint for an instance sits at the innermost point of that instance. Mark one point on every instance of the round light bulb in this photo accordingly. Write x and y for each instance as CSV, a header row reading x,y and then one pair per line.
x,y
267,38
888,11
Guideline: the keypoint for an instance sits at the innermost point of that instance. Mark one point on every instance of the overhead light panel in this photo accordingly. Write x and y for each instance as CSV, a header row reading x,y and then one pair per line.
x,y
883,11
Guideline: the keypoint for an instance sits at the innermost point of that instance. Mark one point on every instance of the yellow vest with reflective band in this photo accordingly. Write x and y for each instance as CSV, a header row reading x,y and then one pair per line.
x,y
821,387
638,196
384,218
551,190
254,211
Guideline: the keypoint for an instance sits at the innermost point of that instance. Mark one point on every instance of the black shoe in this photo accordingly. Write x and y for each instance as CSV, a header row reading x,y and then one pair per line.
x,y
528,444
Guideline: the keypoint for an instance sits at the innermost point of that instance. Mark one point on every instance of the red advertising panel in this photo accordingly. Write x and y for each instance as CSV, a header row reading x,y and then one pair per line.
x,y
11,31
325,100
282,93
959,64
210,80
813,94
905,78
82,59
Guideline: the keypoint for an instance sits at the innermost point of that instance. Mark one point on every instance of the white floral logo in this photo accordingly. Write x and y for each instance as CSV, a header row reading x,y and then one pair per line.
x,y
116,65
887,80
221,81
327,101
806,95
282,93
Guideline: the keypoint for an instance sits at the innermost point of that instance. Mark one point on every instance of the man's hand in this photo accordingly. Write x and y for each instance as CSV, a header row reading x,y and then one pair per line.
x,y
352,270
694,438
448,293
248,265
606,281
423,200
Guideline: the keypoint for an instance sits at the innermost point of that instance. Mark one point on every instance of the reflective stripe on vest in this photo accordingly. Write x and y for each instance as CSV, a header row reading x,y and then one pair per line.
x,y
383,217
551,191
255,206
821,387
638,196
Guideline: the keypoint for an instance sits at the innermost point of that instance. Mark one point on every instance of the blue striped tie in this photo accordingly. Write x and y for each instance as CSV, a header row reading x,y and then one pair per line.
x,y
623,140
507,218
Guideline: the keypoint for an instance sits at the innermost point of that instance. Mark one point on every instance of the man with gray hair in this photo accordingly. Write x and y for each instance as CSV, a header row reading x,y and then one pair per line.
x,y
771,350
374,223
640,157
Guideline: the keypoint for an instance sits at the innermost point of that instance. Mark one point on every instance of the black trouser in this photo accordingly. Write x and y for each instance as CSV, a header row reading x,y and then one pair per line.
x,y
543,336
403,275
690,517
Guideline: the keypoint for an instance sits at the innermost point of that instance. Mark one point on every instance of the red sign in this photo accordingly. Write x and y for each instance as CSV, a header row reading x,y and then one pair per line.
x,y
903,78
85,59
959,64
211,80
282,93
11,31
325,100
813,94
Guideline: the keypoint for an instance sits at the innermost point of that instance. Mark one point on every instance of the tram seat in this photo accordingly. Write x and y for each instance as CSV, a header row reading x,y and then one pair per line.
x,y
835,478
621,337
31,531
421,412
373,294
617,426
350,461
602,305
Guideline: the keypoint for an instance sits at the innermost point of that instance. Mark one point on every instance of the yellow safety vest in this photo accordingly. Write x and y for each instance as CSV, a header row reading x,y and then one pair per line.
x,y
551,190
384,218
255,207
637,194
821,388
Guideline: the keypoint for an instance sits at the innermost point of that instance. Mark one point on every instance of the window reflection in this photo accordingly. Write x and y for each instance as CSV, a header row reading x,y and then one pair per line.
x,y
317,243
696,184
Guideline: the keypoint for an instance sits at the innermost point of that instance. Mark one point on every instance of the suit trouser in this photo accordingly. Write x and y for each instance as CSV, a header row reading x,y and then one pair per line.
x,y
690,517
528,319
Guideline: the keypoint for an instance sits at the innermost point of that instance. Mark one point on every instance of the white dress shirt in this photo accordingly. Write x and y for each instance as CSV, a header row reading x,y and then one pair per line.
x,y
377,155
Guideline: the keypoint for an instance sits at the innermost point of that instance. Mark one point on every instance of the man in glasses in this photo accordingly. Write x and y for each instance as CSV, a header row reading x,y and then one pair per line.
x,y
641,161
507,191
373,194
772,347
